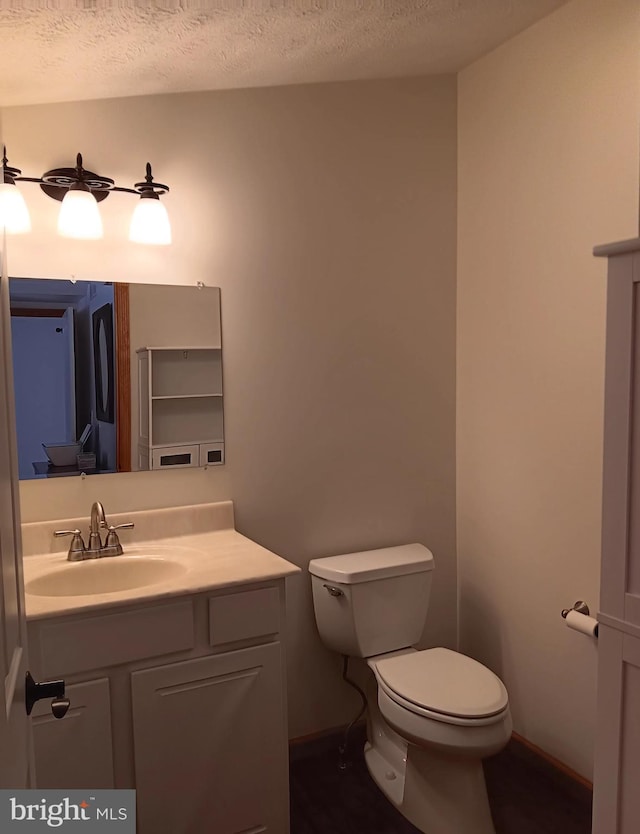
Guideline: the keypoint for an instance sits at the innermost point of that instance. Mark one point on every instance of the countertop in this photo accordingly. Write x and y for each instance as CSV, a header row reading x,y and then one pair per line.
x,y
202,539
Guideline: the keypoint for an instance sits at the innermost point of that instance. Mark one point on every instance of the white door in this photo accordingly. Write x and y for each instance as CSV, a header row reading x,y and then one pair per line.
x,y
15,770
616,799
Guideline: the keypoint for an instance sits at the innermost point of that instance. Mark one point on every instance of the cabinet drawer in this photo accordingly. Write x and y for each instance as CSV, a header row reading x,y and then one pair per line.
x,y
112,639
211,454
175,457
243,615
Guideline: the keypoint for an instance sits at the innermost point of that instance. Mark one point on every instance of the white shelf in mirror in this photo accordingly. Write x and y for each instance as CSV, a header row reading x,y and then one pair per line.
x,y
180,405
183,396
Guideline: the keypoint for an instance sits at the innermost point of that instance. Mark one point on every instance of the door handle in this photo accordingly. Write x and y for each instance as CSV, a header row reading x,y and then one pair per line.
x,y
47,689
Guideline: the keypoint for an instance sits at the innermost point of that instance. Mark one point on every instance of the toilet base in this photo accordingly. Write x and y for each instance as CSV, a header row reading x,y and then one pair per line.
x,y
389,775
436,793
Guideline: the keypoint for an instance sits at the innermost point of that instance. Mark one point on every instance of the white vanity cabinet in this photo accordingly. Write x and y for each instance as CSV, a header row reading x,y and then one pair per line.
x,y
181,699
180,407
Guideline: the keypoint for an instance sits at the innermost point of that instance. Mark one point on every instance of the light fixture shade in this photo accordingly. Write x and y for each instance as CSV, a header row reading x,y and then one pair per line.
x,y
150,222
79,215
14,214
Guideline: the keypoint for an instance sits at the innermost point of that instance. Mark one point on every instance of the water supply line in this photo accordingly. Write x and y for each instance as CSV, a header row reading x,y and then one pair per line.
x,y
342,749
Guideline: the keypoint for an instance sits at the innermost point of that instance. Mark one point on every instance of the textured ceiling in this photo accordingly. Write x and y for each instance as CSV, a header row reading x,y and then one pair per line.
x,y
66,51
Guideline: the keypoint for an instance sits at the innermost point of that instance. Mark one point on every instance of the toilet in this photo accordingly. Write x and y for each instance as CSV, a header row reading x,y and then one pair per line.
x,y
433,715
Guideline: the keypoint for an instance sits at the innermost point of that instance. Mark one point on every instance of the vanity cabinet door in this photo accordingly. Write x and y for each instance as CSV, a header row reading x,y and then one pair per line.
x,y
210,745
75,751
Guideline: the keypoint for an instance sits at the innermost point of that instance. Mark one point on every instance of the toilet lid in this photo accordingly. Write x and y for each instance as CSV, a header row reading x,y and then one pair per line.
x,y
443,681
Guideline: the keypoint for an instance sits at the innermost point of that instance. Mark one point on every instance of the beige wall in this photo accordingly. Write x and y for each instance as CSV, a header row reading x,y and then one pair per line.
x,y
548,167
327,215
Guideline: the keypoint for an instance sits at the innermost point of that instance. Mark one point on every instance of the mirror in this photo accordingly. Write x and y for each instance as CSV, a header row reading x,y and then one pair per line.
x,y
115,377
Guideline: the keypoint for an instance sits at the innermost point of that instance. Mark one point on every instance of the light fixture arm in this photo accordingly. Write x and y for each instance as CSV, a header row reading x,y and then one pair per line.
x,y
9,174
149,188
56,182
79,169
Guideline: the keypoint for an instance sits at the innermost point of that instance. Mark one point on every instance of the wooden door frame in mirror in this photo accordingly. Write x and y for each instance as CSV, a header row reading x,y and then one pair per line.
x,y
123,378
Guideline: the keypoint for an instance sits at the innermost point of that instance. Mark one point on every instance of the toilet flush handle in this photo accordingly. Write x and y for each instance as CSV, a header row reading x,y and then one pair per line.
x,y
335,592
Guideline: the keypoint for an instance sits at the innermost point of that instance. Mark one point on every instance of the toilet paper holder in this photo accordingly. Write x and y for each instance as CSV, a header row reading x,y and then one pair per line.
x,y
580,606
579,619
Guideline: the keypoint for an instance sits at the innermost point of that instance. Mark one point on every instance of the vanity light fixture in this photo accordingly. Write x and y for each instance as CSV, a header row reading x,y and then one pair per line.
x,y
14,214
80,191
150,221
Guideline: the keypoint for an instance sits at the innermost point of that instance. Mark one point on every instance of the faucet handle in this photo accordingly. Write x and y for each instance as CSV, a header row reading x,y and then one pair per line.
x,y
77,544
112,539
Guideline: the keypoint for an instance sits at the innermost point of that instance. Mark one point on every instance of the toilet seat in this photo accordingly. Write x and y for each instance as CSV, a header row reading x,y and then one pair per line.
x,y
443,685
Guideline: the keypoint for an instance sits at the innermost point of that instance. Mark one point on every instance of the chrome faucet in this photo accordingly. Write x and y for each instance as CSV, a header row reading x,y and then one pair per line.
x,y
96,549
98,520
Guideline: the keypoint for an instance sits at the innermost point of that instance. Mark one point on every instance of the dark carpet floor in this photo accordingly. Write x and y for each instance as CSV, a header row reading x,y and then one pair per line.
x,y
526,795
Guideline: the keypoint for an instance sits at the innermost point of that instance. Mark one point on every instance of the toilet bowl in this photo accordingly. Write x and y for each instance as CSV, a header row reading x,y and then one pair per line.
x,y
432,721
433,715
444,699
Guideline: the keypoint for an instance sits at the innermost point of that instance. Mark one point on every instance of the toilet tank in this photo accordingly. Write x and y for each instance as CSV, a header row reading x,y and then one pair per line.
x,y
374,601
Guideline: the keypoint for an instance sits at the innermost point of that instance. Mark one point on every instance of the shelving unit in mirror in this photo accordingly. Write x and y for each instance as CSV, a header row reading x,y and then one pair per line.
x,y
180,407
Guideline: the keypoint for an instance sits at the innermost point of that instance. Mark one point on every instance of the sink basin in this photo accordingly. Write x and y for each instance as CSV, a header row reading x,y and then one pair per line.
x,y
104,576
